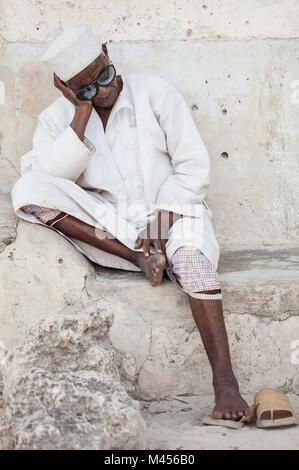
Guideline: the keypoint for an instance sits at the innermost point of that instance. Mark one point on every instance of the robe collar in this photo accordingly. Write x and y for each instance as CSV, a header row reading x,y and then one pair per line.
x,y
123,101
98,139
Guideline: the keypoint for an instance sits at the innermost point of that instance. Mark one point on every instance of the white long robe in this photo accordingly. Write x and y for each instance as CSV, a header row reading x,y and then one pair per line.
x,y
149,157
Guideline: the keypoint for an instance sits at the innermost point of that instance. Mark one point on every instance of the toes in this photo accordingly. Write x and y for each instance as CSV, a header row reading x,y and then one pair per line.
x,y
217,414
227,414
157,270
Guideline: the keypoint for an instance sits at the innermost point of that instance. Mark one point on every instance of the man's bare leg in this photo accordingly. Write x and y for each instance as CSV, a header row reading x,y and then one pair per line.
x,y
208,316
153,267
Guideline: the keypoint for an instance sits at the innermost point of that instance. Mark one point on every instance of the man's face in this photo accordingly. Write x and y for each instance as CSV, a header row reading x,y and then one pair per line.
x,y
107,95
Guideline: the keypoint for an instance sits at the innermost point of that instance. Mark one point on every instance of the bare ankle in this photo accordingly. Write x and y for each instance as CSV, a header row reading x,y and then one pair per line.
x,y
225,380
136,258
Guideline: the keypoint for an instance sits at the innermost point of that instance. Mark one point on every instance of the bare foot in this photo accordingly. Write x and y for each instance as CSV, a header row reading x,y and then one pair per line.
x,y
153,267
228,402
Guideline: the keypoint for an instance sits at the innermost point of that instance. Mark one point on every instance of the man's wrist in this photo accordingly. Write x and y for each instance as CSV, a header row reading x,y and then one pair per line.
x,y
84,109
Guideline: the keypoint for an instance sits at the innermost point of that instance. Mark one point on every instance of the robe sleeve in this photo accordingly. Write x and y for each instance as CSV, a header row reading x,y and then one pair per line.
x,y
59,154
184,190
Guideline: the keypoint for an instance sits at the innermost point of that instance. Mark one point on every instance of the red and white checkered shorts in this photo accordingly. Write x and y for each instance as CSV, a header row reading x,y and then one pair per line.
x,y
44,214
192,272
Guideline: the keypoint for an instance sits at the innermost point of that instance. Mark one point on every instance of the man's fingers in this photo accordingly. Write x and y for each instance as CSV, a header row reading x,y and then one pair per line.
x,y
159,225
147,242
157,245
57,81
60,85
138,243
146,247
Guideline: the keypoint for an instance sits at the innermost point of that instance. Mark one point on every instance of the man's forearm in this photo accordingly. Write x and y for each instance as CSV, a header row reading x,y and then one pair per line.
x,y
80,120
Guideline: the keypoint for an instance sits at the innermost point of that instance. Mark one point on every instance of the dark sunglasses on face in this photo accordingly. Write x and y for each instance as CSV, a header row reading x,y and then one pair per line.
x,y
104,79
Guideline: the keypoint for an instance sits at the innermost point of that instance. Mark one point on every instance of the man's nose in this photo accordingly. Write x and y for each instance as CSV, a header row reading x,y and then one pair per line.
x,y
102,92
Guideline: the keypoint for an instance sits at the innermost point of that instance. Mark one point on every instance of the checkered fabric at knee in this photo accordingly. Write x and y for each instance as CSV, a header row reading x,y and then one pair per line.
x,y
44,214
193,272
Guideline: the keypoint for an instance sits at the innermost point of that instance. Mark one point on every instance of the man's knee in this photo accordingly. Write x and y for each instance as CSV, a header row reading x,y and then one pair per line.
x,y
46,215
194,272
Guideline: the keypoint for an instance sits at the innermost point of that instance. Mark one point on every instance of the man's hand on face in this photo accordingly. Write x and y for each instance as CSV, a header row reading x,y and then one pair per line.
x,y
70,94
156,233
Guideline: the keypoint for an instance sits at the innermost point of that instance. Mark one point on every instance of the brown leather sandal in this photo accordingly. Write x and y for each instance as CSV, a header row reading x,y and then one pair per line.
x,y
273,409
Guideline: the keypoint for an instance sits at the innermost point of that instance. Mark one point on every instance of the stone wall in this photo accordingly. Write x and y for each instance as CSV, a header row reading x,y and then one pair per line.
x,y
236,64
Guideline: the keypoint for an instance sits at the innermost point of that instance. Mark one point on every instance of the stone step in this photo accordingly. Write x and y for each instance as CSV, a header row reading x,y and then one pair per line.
x,y
155,325
42,273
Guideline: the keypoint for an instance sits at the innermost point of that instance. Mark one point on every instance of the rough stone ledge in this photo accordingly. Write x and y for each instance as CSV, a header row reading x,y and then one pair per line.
x,y
63,390
261,282
260,299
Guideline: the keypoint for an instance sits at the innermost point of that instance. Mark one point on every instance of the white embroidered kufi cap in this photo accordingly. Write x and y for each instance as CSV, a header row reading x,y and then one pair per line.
x,y
72,51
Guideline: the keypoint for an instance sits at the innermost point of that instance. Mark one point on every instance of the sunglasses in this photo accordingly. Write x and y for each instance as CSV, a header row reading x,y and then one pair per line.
x,y
104,79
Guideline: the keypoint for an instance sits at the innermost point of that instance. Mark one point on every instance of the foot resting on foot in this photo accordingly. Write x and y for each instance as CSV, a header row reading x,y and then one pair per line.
x,y
153,267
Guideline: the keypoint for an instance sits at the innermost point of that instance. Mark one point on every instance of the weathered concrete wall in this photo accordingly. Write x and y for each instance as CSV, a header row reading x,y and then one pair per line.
x,y
236,63
136,20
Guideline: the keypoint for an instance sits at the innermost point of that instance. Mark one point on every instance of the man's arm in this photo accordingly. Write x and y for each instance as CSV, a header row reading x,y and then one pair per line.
x,y
65,155
183,191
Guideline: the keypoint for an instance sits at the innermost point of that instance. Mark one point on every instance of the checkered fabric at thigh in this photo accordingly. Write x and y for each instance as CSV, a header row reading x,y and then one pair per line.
x,y
193,272
44,214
